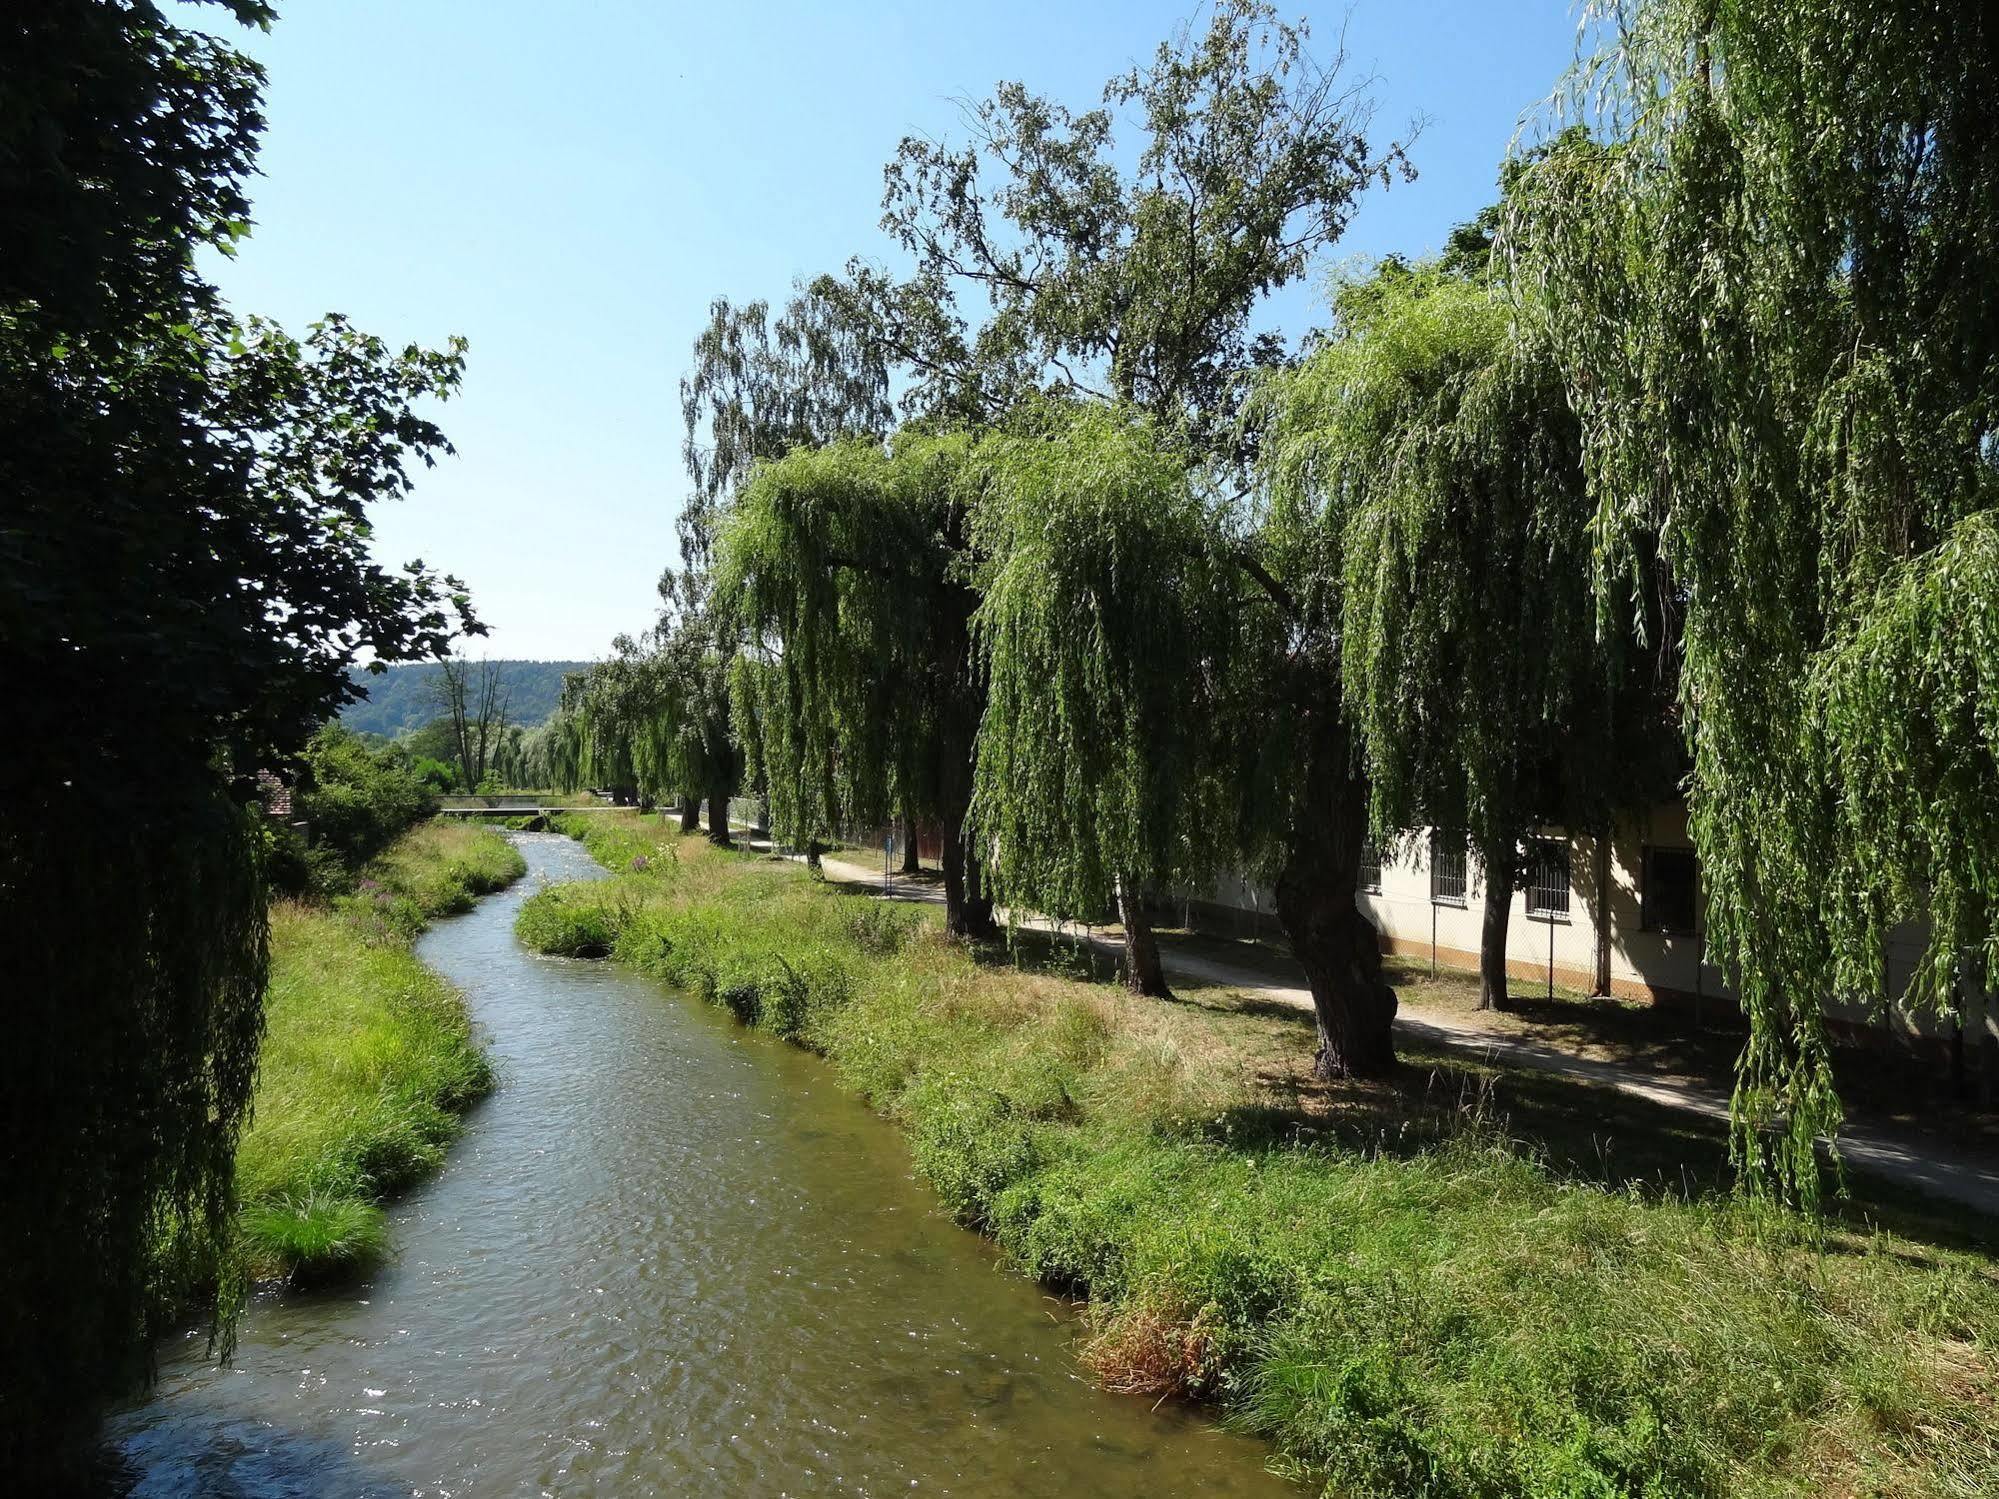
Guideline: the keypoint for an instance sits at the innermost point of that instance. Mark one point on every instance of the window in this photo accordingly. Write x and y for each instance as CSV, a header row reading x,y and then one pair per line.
x,y
1447,869
1548,879
1670,901
1370,867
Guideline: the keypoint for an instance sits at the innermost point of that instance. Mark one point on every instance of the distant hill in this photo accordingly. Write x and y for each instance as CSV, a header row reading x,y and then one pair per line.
x,y
405,697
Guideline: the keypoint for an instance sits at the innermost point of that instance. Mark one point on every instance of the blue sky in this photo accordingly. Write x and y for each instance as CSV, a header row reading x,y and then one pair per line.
x,y
569,186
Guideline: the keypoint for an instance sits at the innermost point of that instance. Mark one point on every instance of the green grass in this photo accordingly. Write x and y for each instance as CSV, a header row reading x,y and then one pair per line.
x,y
1406,1289
368,1057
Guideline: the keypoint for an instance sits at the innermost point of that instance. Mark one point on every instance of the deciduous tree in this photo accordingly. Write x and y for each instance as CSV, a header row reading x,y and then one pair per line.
x,y
1768,278
185,581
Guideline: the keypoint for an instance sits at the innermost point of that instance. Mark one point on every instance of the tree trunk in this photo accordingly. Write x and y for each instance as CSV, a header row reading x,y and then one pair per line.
x,y
718,815
690,812
911,864
968,911
1501,862
1331,937
1142,973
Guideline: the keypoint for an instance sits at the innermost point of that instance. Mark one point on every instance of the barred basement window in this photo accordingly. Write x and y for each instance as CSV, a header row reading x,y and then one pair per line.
x,y
1370,867
1447,869
1670,901
1548,880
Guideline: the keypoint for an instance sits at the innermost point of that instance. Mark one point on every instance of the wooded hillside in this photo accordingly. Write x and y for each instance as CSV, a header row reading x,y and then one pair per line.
x,y
405,697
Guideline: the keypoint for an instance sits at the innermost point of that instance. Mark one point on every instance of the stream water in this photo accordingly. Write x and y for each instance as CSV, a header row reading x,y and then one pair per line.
x,y
669,1256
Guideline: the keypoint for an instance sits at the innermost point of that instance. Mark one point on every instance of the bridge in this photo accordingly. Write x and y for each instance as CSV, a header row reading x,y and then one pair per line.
x,y
523,805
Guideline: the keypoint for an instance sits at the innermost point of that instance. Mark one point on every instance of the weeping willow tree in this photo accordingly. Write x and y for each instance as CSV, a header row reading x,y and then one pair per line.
x,y
1187,644
1768,278
555,753
758,387
615,713
1094,779
846,569
185,584
1486,699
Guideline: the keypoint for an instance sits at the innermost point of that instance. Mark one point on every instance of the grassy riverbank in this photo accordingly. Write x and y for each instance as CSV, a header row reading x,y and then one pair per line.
x,y
1406,1287
367,1059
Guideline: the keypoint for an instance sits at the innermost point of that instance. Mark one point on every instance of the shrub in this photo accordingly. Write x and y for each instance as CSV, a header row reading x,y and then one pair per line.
x,y
356,800
568,921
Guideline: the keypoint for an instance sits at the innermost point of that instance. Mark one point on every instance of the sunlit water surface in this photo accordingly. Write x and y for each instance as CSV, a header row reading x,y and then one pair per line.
x,y
667,1257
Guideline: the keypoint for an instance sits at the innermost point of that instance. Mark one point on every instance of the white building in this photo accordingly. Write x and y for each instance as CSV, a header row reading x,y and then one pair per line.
x,y
1623,920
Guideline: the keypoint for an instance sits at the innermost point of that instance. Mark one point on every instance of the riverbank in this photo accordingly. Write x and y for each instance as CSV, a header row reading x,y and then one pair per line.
x,y
368,1057
1407,1288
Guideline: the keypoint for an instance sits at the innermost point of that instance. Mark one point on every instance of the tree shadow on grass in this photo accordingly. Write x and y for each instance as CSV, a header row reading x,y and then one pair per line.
x,y
1576,1130
1065,955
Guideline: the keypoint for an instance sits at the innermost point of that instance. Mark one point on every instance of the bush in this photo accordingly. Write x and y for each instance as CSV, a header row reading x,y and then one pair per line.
x,y
568,921
356,800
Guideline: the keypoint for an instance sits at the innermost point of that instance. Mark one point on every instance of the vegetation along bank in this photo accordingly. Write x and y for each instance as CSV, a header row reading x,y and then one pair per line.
x,y
1430,1286
368,1056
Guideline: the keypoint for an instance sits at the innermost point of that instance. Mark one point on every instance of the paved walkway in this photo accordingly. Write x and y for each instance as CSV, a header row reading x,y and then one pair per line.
x,y
1911,1163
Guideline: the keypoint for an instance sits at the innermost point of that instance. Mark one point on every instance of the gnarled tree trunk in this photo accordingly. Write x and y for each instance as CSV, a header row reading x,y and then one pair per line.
x,y
911,862
1331,937
1502,862
1142,972
718,815
690,812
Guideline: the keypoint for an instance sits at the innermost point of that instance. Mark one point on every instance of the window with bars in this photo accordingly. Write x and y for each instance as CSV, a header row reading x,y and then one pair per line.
x,y
1670,901
1548,880
1448,881
1370,867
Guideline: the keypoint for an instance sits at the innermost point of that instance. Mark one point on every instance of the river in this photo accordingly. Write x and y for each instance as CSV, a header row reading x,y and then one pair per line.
x,y
668,1256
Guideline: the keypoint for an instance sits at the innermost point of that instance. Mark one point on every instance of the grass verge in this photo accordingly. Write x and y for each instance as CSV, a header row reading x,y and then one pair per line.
x,y
368,1057
1408,1290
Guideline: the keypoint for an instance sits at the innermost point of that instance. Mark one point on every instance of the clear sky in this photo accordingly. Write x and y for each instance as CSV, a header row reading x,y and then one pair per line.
x,y
569,185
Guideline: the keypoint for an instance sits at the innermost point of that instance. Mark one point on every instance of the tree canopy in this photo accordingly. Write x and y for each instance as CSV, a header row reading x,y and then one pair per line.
x,y
847,568
185,581
1100,612
1136,283
1766,273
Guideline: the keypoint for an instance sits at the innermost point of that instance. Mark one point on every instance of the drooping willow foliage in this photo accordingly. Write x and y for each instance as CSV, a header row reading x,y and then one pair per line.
x,y
555,753
1768,278
148,917
185,585
1483,694
846,569
1100,624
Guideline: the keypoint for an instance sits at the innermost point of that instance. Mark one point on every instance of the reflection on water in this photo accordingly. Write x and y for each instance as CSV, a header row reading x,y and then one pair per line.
x,y
667,1257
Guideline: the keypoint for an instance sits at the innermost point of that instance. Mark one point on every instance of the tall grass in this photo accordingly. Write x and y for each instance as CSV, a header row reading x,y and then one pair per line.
x,y
1408,1301
368,1057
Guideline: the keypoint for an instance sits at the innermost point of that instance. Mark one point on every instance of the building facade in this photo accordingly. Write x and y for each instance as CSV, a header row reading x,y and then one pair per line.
x,y
1619,916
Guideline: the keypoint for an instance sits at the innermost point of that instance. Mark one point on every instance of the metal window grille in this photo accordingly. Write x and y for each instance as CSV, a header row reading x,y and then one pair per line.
x,y
1370,867
1448,882
1548,880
